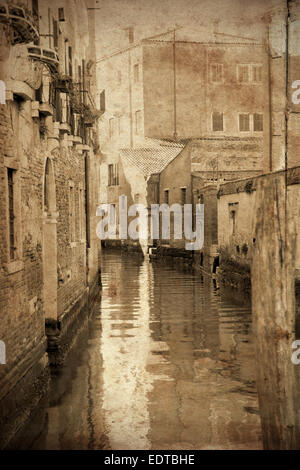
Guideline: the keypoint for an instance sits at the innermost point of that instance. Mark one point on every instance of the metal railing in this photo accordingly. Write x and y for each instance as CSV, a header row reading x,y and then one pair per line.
x,y
22,22
47,56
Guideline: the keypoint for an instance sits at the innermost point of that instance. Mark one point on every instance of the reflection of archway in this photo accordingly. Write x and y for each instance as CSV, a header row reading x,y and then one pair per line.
x,y
49,242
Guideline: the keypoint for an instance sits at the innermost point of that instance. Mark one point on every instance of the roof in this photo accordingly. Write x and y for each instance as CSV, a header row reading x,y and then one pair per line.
x,y
151,160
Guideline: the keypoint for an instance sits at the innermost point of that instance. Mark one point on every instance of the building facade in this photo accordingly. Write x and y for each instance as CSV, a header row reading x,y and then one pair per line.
x,y
210,97
49,248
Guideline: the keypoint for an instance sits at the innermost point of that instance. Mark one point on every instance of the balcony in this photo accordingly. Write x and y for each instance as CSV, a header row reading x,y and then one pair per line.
x,y
20,20
47,56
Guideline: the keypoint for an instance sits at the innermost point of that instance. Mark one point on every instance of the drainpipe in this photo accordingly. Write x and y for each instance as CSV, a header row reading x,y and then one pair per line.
x,y
87,213
270,169
174,85
130,98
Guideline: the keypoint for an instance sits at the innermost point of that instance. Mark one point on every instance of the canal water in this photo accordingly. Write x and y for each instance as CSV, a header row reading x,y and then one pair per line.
x,y
166,361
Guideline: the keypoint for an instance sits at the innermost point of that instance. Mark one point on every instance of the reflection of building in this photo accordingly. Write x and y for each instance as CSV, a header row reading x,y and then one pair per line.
x,y
125,350
49,259
205,397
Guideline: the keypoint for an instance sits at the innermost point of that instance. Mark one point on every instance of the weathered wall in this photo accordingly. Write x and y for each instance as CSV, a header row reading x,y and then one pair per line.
x,y
175,176
197,96
236,238
22,325
32,293
273,307
123,97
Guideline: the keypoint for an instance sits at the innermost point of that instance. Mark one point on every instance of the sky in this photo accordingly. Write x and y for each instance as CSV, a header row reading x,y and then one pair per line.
x,y
197,17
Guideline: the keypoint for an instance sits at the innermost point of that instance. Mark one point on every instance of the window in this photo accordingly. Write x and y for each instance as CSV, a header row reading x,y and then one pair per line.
x,y
47,186
136,73
217,122
233,218
183,196
166,198
11,213
102,101
216,72
233,207
35,14
55,33
81,213
70,61
243,74
249,73
257,122
256,73
61,14
35,8
250,122
72,217
244,122
138,122
111,128
113,175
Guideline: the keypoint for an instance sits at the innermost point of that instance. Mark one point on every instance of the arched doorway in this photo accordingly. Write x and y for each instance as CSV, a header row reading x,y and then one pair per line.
x,y
49,242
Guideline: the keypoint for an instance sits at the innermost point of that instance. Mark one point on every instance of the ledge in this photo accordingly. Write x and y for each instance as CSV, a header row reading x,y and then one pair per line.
x,y
83,147
14,266
65,127
19,88
46,109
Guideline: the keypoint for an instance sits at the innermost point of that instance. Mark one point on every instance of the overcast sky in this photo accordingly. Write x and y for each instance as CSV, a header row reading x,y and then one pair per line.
x,y
236,17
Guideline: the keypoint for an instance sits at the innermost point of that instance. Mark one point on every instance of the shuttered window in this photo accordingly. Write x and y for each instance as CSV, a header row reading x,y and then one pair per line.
x,y
244,122
257,122
217,122
11,215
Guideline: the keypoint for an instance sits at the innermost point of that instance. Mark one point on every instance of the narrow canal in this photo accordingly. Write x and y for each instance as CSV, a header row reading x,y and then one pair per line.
x,y
165,362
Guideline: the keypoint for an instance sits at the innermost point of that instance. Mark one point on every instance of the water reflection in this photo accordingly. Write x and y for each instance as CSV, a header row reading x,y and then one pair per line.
x,y
167,362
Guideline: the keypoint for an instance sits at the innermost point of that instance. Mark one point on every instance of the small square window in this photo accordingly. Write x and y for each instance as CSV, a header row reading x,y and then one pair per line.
x,y
257,122
243,73
244,122
217,122
216,72
166,194
256,73
61,14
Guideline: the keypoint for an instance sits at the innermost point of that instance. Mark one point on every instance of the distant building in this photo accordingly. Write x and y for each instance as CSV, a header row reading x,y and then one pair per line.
x,y
212,97
148,176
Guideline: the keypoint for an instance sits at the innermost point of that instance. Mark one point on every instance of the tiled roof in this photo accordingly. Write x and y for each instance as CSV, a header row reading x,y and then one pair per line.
x,y
151,160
